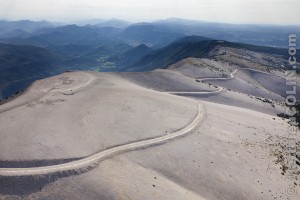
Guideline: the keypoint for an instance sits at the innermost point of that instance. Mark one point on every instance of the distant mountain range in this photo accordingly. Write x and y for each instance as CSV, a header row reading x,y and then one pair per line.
x,y
32,50
160,32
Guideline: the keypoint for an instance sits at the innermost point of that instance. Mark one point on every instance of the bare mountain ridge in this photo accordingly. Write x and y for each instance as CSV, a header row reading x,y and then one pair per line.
x,y
125,129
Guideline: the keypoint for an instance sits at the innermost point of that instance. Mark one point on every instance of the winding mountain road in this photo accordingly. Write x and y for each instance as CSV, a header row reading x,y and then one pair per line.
x,y
91,161
220,89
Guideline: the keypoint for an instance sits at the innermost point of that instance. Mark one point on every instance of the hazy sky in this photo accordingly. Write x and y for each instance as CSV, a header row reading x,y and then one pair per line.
x,y
231,11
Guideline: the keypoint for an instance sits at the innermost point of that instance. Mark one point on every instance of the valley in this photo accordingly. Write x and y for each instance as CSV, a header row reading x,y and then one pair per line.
x,y
171,109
